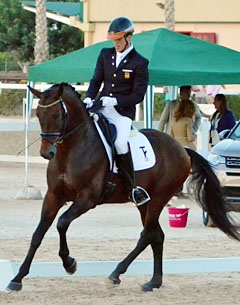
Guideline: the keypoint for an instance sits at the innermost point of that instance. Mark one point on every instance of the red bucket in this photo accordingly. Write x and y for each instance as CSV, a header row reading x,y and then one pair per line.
x,y
178,217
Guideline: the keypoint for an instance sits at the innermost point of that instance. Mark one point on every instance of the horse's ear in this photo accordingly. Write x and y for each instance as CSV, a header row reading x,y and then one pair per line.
x,y
35,92
61,87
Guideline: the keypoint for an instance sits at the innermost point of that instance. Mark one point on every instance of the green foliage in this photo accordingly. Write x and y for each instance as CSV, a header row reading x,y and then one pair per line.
x,y
233,104
159,104
8,63
64,39
16,29
11,102
17,34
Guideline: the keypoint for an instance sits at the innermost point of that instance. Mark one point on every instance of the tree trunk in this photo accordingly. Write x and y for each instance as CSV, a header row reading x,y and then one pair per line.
x,y
169,7
41,48
169,15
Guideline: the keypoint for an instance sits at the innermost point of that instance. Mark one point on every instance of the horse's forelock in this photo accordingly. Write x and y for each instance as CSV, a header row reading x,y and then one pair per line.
x,y
59,90
68,86
53,89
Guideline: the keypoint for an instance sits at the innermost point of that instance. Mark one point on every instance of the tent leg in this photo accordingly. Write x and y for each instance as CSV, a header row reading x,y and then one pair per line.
x,y
148,107
29,191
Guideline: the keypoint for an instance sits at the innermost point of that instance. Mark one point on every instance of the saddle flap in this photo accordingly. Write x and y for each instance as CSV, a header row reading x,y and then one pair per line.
x,y
141,149
109,130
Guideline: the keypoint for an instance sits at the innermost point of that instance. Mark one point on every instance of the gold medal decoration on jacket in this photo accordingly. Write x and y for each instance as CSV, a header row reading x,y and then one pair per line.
x,y
127,73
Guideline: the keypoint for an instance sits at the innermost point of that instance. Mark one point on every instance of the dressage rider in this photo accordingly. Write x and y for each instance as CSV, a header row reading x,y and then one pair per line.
x,y
124,74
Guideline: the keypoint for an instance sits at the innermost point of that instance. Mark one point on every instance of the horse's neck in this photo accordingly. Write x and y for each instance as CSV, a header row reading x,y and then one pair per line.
x,y
78,118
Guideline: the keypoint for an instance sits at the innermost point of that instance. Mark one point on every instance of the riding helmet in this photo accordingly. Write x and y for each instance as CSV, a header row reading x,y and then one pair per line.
x,y
120,27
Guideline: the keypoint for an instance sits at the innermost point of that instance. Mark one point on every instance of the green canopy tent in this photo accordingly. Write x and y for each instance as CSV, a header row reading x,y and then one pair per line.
x,y
175,60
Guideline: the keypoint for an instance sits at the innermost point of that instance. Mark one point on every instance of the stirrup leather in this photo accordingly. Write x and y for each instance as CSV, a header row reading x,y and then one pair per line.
x,y
145,196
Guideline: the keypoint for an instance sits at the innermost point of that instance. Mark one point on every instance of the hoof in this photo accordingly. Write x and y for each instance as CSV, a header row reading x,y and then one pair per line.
x,y
149,286
72,269
112,282
13,286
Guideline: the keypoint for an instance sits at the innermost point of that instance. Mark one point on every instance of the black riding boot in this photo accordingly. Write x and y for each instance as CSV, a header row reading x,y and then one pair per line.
x,y
136,194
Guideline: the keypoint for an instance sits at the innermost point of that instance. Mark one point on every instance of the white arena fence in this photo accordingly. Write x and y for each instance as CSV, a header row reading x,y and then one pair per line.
x,y
138,267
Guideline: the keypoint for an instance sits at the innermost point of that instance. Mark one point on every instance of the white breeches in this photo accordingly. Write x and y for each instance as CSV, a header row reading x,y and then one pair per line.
x,y
123,125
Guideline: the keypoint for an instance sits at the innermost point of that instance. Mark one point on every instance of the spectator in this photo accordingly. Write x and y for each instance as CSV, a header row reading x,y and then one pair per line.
x,y
167,116
223,118
181,128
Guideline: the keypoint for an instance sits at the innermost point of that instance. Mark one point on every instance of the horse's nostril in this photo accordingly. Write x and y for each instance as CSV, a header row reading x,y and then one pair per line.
x,y
48,152
51,155
47,155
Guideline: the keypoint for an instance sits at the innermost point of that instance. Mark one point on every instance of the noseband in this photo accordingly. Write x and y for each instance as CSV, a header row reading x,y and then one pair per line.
x,y
61,134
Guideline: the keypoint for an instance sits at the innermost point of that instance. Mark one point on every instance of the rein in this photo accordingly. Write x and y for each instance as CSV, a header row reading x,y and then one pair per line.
x,y
61,134
50,105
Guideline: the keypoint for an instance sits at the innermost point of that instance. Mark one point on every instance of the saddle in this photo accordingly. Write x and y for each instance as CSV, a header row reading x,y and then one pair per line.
x,y
109,130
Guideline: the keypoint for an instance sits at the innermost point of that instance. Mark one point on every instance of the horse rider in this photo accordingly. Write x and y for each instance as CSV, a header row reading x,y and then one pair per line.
x,y
124,74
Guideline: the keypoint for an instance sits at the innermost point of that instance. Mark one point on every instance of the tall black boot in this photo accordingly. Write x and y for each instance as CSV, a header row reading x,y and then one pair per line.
x,y
136,194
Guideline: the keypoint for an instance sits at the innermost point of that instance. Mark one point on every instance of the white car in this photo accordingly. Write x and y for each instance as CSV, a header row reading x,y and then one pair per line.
x,y
225,159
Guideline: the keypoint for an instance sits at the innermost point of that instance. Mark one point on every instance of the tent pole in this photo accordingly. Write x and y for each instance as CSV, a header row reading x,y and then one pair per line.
x,y
28,192
173,92
148,105
29,98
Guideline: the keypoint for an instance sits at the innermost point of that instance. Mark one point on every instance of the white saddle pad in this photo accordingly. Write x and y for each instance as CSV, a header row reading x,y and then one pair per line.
x,y
142,152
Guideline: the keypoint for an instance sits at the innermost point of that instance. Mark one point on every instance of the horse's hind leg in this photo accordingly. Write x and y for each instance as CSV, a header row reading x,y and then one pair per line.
x,y
157,247
155,237
122,267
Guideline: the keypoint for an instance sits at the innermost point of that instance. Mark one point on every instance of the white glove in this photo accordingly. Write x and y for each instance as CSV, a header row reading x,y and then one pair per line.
x,y
108,101
88,101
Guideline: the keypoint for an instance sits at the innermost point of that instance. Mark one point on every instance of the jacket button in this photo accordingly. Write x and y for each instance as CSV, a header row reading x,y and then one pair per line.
x,y
114,75
113,85
110,94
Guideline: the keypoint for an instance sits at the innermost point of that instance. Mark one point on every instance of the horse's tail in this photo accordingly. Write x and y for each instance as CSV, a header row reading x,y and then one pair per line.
x,y
209,195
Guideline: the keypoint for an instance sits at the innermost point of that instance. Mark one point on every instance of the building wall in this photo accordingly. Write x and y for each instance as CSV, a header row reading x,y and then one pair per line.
x,y
227,35
206,16
148,11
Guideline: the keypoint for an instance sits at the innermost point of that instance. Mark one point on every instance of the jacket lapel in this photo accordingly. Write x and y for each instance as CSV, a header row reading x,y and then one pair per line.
x,y
125,59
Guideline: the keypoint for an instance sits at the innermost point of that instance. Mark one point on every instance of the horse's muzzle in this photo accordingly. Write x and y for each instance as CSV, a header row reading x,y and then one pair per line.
x,y
48,151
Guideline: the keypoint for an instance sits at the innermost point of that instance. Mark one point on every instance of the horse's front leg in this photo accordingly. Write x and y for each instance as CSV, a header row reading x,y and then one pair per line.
x,y
49,212
75,210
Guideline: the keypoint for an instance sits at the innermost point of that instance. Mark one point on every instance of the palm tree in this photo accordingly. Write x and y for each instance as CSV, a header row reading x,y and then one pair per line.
x,y
169,21
169,14
41,48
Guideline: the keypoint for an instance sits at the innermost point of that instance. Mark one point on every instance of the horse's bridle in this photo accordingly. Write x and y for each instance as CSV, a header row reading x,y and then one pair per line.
x,y
62,133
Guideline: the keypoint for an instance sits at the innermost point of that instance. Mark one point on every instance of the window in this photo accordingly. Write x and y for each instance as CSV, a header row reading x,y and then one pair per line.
x,y
210,37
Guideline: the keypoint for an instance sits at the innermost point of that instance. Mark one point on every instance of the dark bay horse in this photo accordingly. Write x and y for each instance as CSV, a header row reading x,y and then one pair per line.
x,y
78,171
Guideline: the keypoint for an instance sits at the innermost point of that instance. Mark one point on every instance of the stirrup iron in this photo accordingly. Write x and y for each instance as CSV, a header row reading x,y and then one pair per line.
x,y
145,196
